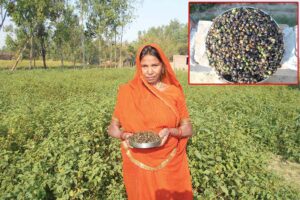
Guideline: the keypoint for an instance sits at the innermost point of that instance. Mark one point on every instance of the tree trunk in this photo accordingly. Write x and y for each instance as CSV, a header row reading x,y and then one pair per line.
x,y
34,57
44,54
31,51
105,49
99,46
20,55
120,52
41,35
62,61
34,52
115,59
59,49
82,37
74,61
3,19
111,50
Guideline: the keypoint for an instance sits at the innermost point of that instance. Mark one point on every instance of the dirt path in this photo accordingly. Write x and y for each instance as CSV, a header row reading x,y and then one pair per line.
x,y
289,171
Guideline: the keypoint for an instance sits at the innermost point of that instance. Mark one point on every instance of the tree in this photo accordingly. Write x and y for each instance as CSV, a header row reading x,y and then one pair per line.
x,y
172,37
83,7
3,13
126,16
105,18
5,7
34,16
96,22
67,34
53,28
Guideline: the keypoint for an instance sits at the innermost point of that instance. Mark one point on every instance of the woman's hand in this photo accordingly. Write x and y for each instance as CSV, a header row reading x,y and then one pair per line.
x,y
125,137
163,134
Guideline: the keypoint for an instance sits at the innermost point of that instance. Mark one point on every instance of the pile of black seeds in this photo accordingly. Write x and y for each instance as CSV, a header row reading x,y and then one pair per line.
x,y
144,137
244,45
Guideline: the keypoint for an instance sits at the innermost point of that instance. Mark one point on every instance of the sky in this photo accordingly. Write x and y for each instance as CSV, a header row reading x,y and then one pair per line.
x,y
3,34
153,13
149,13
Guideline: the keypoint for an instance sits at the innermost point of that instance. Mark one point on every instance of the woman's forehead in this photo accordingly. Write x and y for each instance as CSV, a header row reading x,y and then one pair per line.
x,y
149,58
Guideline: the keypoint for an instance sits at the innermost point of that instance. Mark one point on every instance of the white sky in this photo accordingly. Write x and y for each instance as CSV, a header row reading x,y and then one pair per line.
x,y
156,13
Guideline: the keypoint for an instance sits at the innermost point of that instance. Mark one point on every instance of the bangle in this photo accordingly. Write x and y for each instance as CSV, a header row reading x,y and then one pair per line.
x,y
179,133
171,132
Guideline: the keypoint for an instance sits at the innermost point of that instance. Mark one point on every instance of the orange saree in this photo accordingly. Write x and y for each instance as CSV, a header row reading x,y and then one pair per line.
x,y
159,173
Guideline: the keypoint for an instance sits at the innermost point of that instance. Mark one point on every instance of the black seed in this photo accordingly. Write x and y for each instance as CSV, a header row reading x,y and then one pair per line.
x,y
244,45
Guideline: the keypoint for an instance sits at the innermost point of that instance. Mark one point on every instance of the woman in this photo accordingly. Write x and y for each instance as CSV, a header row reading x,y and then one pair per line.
x,y
154,101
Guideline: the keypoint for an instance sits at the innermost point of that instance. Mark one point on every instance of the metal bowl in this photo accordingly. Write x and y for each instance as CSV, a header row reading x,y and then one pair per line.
x,y
145,145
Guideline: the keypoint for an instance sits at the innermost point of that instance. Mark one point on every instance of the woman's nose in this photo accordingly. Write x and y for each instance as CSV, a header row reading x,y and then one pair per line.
x,y
149,70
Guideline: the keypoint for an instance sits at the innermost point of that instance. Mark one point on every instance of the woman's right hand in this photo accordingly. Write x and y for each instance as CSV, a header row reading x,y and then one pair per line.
x,y
164,135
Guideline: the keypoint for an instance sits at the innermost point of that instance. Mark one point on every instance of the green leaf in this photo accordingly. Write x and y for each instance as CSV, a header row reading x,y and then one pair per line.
x,y
224,189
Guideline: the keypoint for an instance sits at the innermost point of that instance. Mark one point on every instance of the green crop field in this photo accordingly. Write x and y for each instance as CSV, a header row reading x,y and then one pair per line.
x,y
54,142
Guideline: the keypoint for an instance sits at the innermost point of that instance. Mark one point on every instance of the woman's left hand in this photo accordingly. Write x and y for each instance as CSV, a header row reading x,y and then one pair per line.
x,y
163,134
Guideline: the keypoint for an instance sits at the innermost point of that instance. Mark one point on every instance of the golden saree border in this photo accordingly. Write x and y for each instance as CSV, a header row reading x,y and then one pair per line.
x,y
185,121
147,167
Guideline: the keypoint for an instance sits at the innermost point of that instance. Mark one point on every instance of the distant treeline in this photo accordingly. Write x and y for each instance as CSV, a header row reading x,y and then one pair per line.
x,y
86,32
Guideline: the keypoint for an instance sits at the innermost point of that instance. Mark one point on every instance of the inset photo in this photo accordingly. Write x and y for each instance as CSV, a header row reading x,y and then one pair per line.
x,y
243,43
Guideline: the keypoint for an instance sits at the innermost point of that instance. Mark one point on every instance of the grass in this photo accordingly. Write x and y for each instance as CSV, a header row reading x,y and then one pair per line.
x,y
24,64
54,64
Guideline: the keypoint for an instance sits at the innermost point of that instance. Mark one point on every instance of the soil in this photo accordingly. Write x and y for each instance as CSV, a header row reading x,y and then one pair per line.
x,y
289,171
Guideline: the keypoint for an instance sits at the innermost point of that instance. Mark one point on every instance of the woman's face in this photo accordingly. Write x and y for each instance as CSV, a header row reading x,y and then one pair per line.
x,y
151,69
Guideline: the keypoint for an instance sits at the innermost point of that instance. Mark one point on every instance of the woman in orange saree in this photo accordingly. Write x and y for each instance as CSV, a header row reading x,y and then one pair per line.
x,y
153,100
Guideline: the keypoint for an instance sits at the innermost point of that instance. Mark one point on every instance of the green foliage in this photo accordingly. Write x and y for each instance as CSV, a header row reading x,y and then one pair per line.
x,y
66,36
32,21
200,12
172,37
194,7
54,142
105,21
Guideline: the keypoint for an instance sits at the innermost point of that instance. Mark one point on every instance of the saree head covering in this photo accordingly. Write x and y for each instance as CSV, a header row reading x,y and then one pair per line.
x,y
161,172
